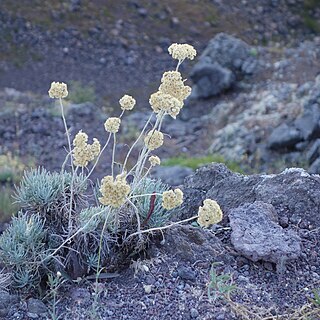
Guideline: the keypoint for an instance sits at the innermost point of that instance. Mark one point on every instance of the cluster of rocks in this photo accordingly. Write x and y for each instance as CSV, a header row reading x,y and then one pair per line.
x,y
224,59
303,133
259,208
270,116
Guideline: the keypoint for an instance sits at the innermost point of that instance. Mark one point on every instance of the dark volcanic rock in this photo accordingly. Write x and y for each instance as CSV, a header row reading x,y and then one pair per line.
x,y
314,152
257,235
172,175
309,123
224,58
190,244
210,79
6,302
293,192
284,137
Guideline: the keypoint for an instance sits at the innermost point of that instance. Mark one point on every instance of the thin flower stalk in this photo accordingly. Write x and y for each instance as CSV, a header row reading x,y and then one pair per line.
x,y
133,145
98,158
71,200
160,228
51,255
113,154
67,131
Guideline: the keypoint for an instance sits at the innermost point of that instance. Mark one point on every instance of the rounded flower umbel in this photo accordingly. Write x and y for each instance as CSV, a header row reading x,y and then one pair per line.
x,y
83,152
172,84
154,161
210,213
112,124
127,102
182,51
162,101
154,139
172,199
58,90
114,192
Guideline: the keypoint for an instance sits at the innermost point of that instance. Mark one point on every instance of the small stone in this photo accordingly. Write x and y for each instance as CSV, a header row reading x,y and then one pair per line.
x,y
147,288
36,306
186,273
194,313
109,312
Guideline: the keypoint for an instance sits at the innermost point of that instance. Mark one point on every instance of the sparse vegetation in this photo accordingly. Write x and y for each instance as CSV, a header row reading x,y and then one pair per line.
x,y
65,227
196,162
81,93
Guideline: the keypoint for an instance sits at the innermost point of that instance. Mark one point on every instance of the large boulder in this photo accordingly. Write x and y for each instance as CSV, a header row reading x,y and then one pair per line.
x,y
211,79
294,193
225,58
257,235
284,137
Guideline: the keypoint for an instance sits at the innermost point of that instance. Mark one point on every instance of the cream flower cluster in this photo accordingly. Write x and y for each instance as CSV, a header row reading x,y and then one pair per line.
x,y
112,124
154,139
172,199
162,101
182,51
58,90
170,95
84,152
114,192
172,83
154,161
210,213
127,102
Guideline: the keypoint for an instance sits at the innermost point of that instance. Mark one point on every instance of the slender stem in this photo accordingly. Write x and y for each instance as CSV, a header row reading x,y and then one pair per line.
x,y
71,237
98,158
144,157
145,195
137,216
178,65
71,200
113,154
67,131
100,246
161,228
129,152
145,152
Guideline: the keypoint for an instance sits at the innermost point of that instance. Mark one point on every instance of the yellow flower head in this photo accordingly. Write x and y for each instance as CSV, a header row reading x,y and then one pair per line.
x,y
182,51
162,101
154,139
154,161
210,213
172,199
112,124
172,84
114,192
58,90
83,152
127,102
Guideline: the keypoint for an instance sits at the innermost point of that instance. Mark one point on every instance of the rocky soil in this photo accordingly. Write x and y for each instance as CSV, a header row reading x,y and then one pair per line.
x,y
266,243
256,101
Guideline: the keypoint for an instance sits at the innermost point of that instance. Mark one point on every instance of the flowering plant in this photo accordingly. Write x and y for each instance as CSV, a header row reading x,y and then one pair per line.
x,y
78,237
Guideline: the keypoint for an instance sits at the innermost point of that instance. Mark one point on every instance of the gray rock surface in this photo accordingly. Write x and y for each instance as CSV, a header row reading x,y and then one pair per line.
x,y
284,137
173,175
210,79
36,306
314,152
6,302
315,167
309,123
257,235
294,193
223,59
190,244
